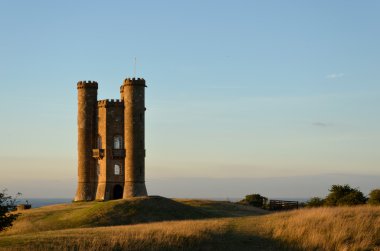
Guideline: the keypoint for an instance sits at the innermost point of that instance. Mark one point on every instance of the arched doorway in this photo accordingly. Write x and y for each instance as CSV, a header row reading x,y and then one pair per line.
x,y
117,192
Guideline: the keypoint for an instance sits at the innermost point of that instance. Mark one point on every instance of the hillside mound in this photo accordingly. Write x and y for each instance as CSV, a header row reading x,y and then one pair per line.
x,y
123,212
340,228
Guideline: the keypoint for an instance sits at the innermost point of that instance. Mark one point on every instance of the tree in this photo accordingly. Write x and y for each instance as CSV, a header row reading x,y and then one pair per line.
x,y
374,197
315,202
7,205
256,200
344,195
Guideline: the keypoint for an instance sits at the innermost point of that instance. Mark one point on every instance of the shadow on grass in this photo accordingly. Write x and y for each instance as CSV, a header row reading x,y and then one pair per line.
x,y
234,240
156,209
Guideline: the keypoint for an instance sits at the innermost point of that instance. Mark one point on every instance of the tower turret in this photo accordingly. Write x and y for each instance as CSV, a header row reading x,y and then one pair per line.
x,y
87,134
133,95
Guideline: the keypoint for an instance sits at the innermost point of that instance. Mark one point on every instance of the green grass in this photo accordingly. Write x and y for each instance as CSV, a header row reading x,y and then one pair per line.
x,y
123,212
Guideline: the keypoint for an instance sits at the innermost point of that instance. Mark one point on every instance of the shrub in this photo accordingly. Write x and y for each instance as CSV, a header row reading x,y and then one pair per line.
x,y
374,197
256,200
315,202
344,195
7,204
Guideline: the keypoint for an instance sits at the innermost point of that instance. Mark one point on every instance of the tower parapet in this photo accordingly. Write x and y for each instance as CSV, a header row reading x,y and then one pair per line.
x,y
131,82
87,84
134,81
110,103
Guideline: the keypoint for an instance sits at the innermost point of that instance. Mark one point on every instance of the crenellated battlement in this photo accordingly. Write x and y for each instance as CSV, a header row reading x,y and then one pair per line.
x,y
87,84
134,81
110,103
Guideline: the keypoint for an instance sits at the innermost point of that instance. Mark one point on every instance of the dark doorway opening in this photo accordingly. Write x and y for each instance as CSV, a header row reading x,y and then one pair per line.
x,y
117,192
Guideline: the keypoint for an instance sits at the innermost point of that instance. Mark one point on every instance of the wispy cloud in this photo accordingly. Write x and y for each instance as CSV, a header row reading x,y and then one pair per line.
x,y
335,75
225,87
321,124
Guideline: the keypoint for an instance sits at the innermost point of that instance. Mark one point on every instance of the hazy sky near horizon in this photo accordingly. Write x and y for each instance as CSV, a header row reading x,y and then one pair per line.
x,y
236,89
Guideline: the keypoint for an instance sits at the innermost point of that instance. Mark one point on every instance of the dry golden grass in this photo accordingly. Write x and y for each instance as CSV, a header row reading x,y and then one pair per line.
x,y
342,228
214,234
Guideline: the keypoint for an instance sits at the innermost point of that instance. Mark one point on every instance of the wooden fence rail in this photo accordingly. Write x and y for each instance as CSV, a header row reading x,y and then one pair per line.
x,y
280,205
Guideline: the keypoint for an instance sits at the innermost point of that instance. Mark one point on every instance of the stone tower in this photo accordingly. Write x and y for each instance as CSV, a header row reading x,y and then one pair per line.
x,y
111,142
133,94
87,131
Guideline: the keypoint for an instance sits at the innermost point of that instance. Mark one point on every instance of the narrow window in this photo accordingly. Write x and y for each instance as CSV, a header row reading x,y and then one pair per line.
x,y
98,169
117,142
99,142
117,169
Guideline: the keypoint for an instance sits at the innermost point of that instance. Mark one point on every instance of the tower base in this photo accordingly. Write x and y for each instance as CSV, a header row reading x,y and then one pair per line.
x,y
134,189
84,192
109,191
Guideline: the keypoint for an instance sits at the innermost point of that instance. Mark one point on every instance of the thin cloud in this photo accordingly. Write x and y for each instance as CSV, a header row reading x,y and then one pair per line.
x,y
321,124
335,75
225,87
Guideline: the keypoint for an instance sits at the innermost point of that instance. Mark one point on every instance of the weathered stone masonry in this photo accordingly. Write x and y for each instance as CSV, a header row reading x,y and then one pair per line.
x,y
111,142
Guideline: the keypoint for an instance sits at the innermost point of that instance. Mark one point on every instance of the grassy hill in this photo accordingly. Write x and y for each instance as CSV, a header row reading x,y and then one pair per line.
x,y
156,223
124,212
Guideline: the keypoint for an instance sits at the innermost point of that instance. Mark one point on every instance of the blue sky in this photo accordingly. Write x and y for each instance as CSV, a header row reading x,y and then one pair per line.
x,y
236,89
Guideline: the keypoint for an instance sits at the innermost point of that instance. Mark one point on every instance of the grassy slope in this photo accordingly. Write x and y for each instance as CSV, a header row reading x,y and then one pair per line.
x,y
124,212
308,229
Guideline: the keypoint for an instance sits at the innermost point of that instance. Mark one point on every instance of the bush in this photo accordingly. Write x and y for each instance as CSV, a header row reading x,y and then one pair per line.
x,y
7,204
256,200
374,197
315,202
344,196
